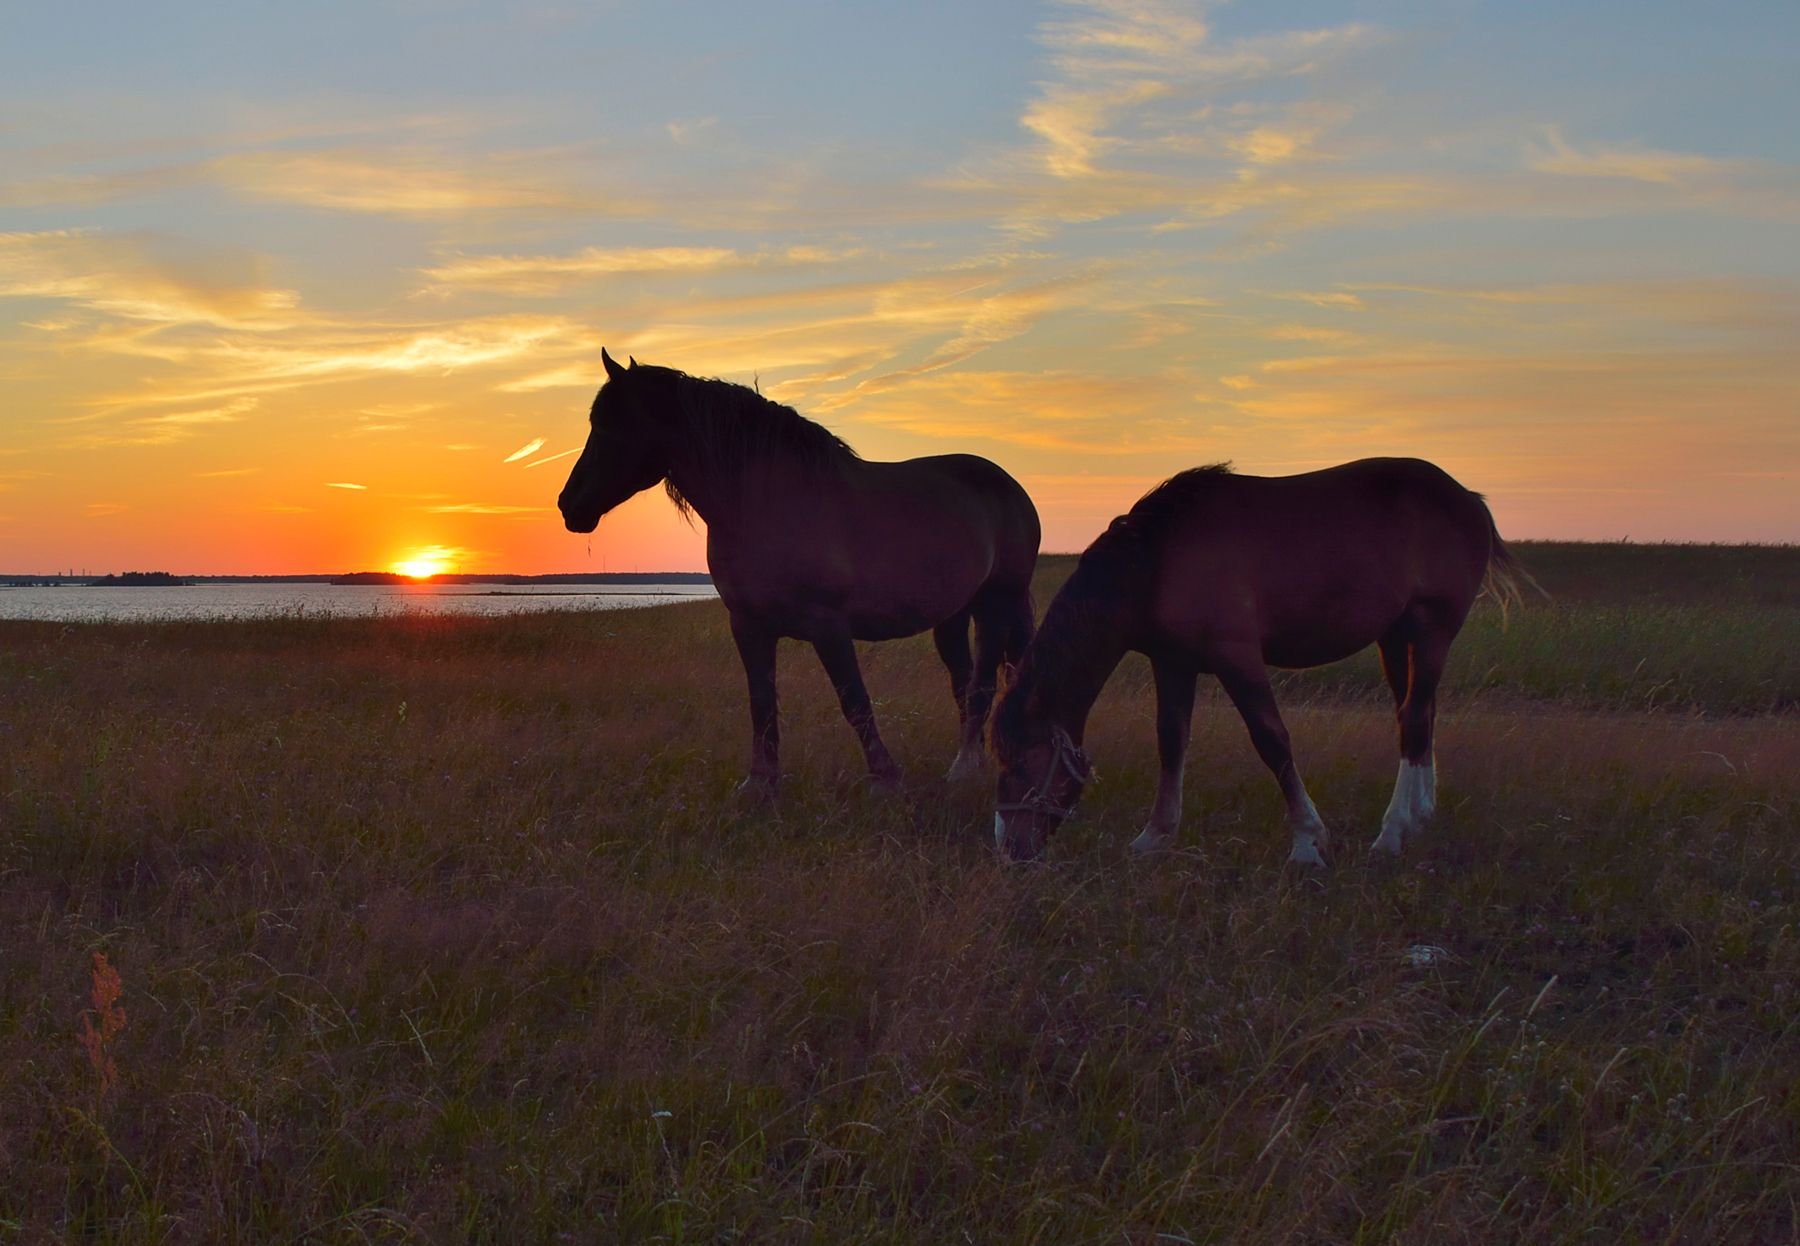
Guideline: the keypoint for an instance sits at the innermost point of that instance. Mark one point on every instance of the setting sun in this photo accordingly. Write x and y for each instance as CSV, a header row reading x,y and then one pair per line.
x,y
423,564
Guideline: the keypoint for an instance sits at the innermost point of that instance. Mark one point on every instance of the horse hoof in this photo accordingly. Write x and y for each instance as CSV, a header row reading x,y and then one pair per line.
x,y
885,781
1389,842
756,791
1151,841
1307,855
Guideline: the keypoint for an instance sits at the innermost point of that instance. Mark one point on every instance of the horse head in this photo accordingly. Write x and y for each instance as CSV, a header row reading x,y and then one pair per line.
x,y
626,449
1042,774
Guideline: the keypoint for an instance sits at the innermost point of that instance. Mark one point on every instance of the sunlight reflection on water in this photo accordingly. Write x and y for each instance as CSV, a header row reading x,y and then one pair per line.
x,y
81,604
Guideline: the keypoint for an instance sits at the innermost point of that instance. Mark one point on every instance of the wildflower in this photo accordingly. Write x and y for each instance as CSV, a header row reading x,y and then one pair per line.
x,y
96,1039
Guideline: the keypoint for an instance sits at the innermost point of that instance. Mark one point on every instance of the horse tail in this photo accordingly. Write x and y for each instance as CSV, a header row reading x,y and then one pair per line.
x,y
1506,578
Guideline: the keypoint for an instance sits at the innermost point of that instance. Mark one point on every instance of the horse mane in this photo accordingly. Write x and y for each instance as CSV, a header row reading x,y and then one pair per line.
x,y
725,423
1149,516
1111,581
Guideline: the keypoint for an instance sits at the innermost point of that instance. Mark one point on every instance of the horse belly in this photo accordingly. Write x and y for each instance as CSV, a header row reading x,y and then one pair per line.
x,y
1330,632
872,593
892,624
904,596
892,557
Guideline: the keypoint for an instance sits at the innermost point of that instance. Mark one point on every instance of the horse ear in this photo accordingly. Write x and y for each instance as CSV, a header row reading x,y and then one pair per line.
x,y
633,359
613,369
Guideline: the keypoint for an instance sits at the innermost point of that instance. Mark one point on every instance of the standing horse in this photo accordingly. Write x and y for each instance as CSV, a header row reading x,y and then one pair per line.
x,y
805,539
1216,573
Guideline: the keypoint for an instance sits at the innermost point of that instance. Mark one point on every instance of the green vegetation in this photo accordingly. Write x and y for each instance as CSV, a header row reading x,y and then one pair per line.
x,y
448,929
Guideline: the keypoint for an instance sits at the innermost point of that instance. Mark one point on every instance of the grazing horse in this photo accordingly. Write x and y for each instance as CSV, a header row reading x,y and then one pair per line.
x,y
806,539
1216,573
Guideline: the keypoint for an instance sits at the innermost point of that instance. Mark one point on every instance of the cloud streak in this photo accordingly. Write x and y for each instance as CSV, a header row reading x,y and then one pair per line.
x,y
550,274
141,277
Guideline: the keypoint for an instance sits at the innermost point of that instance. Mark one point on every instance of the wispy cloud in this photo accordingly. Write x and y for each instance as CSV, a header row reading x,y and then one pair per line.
x,y
1060,411
131,429
412,182
344,484
1631,163
141,277
549,274
687,133
1344,300
552,458
483,508
570,376
1128,74
529,448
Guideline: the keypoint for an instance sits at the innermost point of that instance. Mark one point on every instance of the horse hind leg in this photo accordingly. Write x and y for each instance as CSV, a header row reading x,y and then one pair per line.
x,y
1413,661
952,638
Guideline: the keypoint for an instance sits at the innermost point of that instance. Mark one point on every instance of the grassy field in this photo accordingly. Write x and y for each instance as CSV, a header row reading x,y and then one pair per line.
x,y
447,930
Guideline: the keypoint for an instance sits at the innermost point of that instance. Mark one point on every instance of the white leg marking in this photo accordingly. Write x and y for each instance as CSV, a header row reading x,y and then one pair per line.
x,y
1165,816
999,831
968,762
1413,803
1151,839
1309,832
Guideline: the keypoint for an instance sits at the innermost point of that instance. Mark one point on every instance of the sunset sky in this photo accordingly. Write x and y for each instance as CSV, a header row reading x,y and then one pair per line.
x,y
323,286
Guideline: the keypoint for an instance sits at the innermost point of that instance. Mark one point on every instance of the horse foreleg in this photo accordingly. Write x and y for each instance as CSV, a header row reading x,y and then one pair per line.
x,y
1413,670
756,647
1174,719
952,637
838,656
1246,682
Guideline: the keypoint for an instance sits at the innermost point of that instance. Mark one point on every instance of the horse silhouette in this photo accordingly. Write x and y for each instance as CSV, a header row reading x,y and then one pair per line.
x,y
1216,573
806,539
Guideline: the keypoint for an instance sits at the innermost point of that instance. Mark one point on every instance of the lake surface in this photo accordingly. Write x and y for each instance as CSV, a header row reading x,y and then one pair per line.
x,y
80,604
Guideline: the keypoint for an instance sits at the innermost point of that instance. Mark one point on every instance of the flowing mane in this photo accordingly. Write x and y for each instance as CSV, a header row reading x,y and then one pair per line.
x,y
726,424
1149,516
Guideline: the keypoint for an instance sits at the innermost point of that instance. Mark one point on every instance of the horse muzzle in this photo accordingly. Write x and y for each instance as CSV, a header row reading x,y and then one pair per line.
x,y
1019,837
576,516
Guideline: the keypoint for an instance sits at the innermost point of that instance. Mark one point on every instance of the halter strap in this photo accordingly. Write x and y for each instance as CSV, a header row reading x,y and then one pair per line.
x,y
1066,755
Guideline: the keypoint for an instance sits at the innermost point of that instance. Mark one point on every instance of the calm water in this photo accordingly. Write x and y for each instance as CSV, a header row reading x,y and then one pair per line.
x,y
70,603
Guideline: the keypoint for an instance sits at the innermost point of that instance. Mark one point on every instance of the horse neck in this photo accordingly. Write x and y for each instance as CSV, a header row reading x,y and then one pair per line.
x,y
717,460
714,496
1086,632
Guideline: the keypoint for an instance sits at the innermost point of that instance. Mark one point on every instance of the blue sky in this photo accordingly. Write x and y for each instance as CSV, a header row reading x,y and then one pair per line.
x,y
251,255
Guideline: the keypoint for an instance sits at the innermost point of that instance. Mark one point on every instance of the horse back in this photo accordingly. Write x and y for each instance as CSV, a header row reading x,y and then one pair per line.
x,y
892,547
1317,566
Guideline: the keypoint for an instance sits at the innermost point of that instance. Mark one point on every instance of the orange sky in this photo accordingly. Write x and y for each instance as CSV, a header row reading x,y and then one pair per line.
x,y
276,300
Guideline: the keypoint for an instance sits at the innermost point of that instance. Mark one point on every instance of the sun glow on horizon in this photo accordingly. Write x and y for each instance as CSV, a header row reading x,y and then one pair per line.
x,y
257,321
422,564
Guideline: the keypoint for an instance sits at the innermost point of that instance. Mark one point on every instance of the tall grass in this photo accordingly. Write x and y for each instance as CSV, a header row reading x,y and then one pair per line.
x,y
449,930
